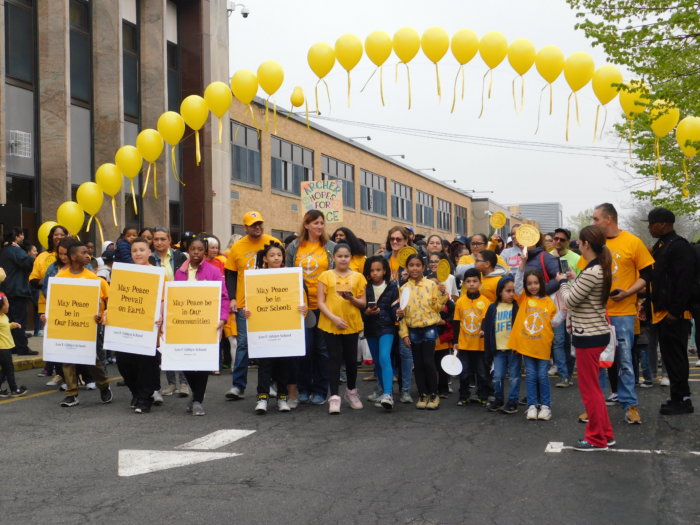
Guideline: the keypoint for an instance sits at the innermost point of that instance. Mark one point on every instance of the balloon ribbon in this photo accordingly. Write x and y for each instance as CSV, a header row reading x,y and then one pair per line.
x,y
349,88
381,82
99,227
221,132
114,211
155,180
522,94
328,93
197,152
172,159
684,189
483,87
437,76
629,138
133,196
568,108
408,75
454,94
657,148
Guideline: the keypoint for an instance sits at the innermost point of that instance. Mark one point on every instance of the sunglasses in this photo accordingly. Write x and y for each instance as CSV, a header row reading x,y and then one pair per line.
x,y
396,239
478,243
560,239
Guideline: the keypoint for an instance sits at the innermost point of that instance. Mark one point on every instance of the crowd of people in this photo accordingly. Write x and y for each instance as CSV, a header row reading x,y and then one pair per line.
x,y
502,308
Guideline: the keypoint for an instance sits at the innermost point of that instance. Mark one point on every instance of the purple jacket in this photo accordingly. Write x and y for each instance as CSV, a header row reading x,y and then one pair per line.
x,y
207,272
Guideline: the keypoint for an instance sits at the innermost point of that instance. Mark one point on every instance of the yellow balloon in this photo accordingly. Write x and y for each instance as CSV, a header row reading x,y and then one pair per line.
x,y
688,130
42,233
70,215
464,45
493,48
378,47
109,179
348,51
218,97
603,83
549,63
321,58
664,117
195,112
90,197
435,43
297,98
521,55
129,161
578,70
150,144
171,127
406,44
270,76
633,100
244,85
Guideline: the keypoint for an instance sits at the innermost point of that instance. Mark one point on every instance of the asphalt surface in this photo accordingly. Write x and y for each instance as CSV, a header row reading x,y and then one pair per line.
x,y
454,465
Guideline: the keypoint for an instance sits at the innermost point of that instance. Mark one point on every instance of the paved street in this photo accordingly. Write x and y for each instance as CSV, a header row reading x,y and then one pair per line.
x,y
455,465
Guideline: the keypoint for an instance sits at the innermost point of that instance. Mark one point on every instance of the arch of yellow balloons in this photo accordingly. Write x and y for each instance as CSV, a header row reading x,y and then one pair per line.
x,y
579,70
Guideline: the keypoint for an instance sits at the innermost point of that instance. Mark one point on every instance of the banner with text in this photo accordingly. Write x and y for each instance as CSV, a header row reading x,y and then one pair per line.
x,y
135,293
275,326
191,337
325,196
70,333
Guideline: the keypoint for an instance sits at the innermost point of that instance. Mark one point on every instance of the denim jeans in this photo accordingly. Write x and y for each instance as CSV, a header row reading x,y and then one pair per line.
x,y
624,332
313,367
406,358
506,361
380,348
561,351
536,378
240,362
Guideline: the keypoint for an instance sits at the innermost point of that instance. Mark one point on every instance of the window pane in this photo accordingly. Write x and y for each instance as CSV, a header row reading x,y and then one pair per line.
x,y
254,167
240,164
79,15
80,66
277,170
19,43
349,194
21,191
298,174
286,150
129,38
131,85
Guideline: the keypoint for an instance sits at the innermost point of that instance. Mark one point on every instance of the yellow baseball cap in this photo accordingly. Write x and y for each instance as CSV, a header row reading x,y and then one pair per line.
x,y
252,217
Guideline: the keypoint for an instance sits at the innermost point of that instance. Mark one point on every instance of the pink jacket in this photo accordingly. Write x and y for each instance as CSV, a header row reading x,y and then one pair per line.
x,y
207,272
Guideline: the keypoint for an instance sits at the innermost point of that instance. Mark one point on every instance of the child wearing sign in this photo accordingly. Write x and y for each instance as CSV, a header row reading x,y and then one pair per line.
x,y
6,346
341,296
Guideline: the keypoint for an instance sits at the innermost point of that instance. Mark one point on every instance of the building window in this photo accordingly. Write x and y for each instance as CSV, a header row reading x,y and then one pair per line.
x,y
424,209
460,220
130,55
80,52
174,97
245,154
20,190
444,215
19,40
401,204
373,193
282,234
333,169
291,165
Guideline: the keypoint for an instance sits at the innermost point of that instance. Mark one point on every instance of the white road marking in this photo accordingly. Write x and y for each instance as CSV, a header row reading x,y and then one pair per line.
x,y
555,447
216,439
135,462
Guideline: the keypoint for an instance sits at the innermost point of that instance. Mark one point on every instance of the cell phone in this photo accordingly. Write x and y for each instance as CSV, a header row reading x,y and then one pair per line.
x,y
615,292
371,304
563,265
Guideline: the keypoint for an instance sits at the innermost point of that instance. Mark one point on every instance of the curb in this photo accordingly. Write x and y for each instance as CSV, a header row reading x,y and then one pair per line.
x,y
27,362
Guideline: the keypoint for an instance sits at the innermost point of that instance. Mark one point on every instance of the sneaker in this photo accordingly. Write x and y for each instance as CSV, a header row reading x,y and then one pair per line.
x,y
664,381
334,405
584,446
374,396
511,407
183,390
343,377
4,393
422,402
531,413
386,401
646,384
303,398
632,416
157,398
43,373
91,386
406,397
142,407
198,409
55,381
132,404
353,399
69,401
433,403
283,405
583,418
674,408
444,395
545,413
482,401
494,406
463,402
106,396
318,399
611,443
523,401
612,399
188,408
168,390
21,391
235,393
292,403
564,382
28,352
261,406
63,387
552,370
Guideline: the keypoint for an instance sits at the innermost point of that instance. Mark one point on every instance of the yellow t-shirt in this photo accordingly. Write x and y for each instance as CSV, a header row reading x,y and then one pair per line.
x,y
488,287
504,325
165,261
357,263
86,274
313,261
332,283
242,258
532,333
469,259
470,313
629,255
41,264
6,340
394,267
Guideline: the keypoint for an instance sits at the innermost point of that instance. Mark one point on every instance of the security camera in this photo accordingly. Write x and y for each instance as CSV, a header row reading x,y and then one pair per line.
x,y
245,12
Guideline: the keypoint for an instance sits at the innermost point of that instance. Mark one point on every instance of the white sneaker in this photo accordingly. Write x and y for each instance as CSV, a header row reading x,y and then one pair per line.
x,y
545,413
665,382
234,393
292,403
283,406
611,400
334,405
261,407
157,398
374,396
531,412
353,399
55,381
553,370
697,363
169,390
386,401
91,386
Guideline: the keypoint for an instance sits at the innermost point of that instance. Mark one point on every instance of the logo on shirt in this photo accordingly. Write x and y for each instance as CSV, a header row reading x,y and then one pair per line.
x,y
480,305
534,323
471,321
614,267
309,265
250,260
531,302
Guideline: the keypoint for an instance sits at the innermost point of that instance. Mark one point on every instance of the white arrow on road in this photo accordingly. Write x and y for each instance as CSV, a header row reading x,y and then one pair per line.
x,y
135,462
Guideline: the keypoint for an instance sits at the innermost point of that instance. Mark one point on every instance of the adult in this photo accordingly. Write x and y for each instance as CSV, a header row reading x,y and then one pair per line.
x,y
433,244
397,238
312,250
548,241
241,258
670,289
631,270
586,298
513,254
477,244
358,249
17,265
214,256
539,259
147,234
458,249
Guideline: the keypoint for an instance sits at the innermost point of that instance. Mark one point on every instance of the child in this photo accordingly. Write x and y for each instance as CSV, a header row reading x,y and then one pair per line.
x,y
341,297
279,368
123,249
497,326
532,337
450,283
486,262
382,303
418,329
6,346
468,338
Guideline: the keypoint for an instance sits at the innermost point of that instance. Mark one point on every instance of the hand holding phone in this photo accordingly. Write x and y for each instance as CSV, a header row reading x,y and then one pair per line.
x,y
563,265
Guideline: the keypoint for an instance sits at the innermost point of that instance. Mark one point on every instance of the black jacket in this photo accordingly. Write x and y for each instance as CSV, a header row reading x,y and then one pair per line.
x,y
17,265
489,326
673,275
384,322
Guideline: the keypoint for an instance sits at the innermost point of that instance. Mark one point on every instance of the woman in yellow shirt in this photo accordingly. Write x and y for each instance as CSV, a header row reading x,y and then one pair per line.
x,y
341,296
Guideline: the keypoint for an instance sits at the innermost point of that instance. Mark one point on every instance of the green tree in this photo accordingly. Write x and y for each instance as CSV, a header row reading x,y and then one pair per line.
x,y
579,221
659,41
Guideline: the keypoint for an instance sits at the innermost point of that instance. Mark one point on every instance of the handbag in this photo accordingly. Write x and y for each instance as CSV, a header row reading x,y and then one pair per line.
x,y
607,356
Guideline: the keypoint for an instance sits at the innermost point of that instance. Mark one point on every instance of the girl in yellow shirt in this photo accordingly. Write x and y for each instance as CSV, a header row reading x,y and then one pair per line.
x,y
341,296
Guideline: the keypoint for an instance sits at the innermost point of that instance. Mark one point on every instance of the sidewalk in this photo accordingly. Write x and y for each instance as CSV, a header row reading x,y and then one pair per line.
x,y
26,362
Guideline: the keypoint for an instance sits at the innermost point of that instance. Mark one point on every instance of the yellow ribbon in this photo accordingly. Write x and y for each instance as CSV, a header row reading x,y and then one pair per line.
x,y
568,110
148,177
267,118
629,137
381,83
306,108
133,196
408,76
483,87
454,91
657,148
349,88
221,132
539,108
114,210
235,133
328,93
437,76
155,180
274,117
684,189
99,228
595,126
522,94
172,159
198,153
87,228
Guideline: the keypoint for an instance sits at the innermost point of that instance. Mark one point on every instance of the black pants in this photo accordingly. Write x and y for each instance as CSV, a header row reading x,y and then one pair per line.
x,y
473,363
198,384
443,378
8,369
18,314
424,367
276,368
141,374
673,341
342,348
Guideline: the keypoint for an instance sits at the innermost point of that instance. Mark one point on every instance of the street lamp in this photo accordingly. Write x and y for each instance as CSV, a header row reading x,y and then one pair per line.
x,y
363,138
426,169
232,6
401,155
453,181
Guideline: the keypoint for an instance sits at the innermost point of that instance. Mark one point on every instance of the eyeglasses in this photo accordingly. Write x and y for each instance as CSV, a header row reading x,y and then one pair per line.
x,y
479,260
560,239
396,239
477,243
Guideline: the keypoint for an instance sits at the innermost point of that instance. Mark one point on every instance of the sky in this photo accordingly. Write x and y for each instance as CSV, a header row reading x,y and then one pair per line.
x,y
497,152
